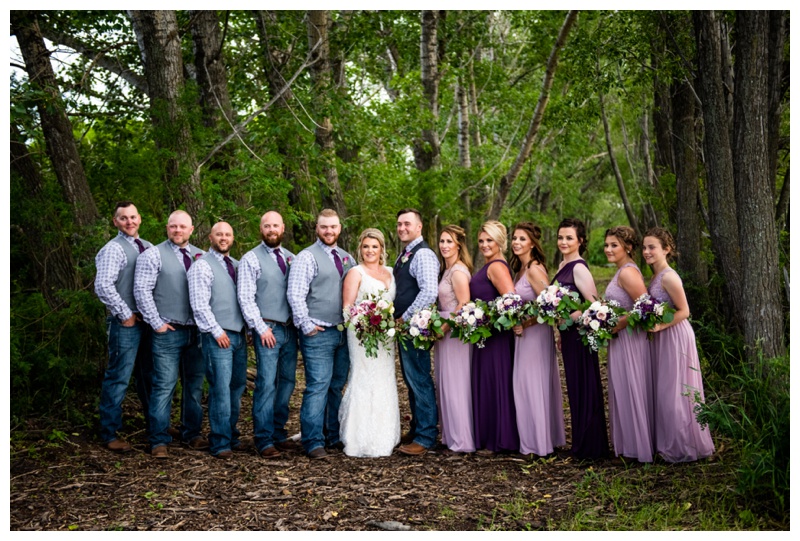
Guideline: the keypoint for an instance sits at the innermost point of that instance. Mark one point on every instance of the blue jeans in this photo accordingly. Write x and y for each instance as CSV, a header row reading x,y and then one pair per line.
x,y
128,353
176,353
416,367
275,378
226,370
327,363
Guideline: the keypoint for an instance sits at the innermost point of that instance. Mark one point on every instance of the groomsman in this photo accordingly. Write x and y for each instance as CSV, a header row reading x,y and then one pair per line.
x,y
128,335
212,294
263,274
416,274
315,296
162,294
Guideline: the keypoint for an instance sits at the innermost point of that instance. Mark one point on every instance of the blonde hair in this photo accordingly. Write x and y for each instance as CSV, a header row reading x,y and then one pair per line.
x,y
498,233
372,233
327,213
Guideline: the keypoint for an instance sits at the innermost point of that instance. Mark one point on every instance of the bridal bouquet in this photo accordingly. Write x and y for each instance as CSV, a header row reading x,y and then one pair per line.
x,y
554,305
472,324
647,313
507,311
372,320
597,321
424,327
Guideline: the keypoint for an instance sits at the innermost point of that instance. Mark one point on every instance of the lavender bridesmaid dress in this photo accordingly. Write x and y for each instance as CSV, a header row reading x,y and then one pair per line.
x,y
452,371
630,385
494,416
537,385
584,387
678,435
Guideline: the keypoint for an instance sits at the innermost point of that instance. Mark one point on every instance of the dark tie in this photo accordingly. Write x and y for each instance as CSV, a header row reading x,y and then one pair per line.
x,y
139,245
231,271
338,262
187,261
281,262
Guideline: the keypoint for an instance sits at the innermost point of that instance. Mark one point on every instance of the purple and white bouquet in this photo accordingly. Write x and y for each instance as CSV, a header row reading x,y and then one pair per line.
x,y
424,327
597,321
507,311
647,313
472,324
372,320
554,305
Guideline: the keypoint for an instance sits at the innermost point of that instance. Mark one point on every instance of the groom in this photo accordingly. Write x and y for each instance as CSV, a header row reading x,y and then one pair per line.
x,y
416,274
315,296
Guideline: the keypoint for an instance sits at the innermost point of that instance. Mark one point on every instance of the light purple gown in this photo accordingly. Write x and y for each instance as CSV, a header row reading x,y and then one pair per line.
x,y
452,372
677,380
630,385
537,386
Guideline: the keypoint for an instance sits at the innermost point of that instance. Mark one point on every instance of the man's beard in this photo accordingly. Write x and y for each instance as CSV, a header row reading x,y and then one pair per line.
x,y
220,251
323,241
272,243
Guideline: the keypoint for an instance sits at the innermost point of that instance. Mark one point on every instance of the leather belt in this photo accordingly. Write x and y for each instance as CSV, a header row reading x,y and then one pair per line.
x,y
281,323
177,326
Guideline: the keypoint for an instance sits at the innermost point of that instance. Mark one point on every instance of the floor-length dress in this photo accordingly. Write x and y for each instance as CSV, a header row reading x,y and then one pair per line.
x,y
537,385
493,412
584,387
369,416
630,384
678,384
452,370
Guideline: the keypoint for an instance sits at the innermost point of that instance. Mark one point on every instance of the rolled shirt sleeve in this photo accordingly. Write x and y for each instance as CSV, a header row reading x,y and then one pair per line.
x,y
110,261
302,272
148,265
248,274
201,278
425,269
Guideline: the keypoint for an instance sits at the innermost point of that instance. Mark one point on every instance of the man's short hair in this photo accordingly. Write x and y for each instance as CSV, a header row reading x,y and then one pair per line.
x,y
405,211
122,205
327,213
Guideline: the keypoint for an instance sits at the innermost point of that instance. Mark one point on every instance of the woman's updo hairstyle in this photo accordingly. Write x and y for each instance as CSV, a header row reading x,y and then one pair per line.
x,y
580,231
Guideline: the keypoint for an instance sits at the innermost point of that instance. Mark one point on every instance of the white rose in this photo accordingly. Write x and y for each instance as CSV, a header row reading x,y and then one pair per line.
x,y
425,314
478,314
471,319
601,316
659,310
413,331
594,325
382,305
390,332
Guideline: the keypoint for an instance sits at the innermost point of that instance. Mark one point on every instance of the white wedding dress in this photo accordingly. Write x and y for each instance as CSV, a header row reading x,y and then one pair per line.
x,y
369,416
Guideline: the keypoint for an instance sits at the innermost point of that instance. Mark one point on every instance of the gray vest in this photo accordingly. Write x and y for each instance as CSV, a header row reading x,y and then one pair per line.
x,y
124,283
172,288
324,298
271,285
224,303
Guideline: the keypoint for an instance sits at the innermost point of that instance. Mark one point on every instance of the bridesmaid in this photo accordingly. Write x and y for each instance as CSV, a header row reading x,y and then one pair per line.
x,y
495,420
452,356
581,365
630,373
537,384
677,379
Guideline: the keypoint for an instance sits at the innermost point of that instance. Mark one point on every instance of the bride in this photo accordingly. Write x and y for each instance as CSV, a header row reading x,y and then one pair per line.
x,y
369,416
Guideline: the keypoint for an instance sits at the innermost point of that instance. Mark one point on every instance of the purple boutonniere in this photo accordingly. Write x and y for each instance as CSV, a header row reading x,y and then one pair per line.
x,y
289,260
197,256
346,260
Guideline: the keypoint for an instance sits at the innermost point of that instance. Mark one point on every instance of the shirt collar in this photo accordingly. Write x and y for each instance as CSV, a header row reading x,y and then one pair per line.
x,y
410,246
216,254
328,249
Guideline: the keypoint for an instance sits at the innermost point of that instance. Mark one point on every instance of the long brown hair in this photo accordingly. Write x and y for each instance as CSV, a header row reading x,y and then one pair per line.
x,y
460,237
534,232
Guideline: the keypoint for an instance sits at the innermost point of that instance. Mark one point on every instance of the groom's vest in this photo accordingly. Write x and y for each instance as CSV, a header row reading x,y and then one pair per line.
x,y
407,287
324,299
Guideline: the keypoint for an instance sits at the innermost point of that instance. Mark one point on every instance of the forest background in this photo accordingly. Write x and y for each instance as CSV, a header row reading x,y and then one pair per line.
x,y
670,118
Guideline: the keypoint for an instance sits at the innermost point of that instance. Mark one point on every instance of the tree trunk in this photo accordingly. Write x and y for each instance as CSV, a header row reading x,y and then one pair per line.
x,y
56,127
763,328
527,145
427,147
723,220
782,207
332,196
159,42
47,247
775,89
688,221
212,77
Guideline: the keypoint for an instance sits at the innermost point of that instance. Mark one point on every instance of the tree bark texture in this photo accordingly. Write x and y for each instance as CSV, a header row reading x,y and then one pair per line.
x,y
45,242
212,77
160,46
507,181
688,219
723,222
754,200
427,147
56,127
776,88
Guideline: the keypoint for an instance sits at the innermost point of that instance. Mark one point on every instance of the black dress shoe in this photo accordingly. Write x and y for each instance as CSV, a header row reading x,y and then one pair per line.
x,y
338,446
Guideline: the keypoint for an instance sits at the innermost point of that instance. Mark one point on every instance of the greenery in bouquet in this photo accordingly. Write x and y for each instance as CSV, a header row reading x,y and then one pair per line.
x,y
472,324
372,320
597,321
424,327
554,306
647,313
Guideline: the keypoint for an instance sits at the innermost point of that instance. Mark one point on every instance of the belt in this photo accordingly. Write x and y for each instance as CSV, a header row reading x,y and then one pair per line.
x,y
281,323
177,326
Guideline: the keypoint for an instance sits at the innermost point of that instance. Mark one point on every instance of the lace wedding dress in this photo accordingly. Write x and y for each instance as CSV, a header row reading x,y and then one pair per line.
x,y
369,416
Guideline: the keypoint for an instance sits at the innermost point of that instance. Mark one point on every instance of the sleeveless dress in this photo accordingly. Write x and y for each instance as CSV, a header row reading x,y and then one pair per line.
x,y
678,435
452,371
369,416
537,385
630,385
584,387
493,412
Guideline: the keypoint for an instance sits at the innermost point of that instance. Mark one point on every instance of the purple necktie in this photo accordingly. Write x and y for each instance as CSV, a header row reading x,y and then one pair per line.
x,y
281,262
338,262
139,245
187,261
232,272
